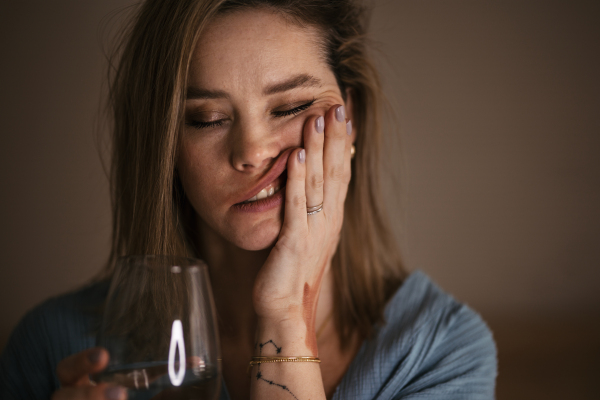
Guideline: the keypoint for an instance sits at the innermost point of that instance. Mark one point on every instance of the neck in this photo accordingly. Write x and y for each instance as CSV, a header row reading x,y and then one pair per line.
x,y
232,274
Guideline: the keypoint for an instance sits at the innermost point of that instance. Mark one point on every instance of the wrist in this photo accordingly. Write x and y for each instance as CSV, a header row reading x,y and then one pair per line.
x,y
284,337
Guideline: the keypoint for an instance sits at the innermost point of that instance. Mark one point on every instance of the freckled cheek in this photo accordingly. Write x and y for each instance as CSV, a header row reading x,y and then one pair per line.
x,y
196,176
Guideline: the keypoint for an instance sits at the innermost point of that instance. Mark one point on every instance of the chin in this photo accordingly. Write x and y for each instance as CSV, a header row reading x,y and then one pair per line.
x,y
258,239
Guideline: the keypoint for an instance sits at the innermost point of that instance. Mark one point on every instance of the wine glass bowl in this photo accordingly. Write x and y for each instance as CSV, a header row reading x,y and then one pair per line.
x,y
160,330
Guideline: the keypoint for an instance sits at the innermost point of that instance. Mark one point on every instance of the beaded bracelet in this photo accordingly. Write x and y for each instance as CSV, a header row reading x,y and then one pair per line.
x,y
264,360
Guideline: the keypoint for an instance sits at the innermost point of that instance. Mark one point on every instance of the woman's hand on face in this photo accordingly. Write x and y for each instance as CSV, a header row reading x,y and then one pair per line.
x,y
288,284
73,374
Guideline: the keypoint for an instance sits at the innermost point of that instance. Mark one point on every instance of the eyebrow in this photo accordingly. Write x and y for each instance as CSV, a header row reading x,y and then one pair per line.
x,y
302,80
198,93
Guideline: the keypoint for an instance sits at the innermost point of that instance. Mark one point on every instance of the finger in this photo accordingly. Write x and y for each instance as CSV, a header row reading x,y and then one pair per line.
x,y
313,143
347,167
100,392
74,370
336,138
295,195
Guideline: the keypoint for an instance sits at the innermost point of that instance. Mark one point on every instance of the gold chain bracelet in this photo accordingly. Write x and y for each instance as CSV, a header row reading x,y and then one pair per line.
x,y
265,360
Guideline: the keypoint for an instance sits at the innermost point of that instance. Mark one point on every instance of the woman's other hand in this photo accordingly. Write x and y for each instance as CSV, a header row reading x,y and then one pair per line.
x,y
73,374
288,285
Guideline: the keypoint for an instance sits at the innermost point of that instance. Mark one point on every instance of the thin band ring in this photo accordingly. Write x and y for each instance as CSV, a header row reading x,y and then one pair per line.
x,y
309,209
314,210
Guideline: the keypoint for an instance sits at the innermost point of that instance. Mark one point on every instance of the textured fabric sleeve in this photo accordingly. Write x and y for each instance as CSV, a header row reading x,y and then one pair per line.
x,y
26,370
431,347
458,364
59,327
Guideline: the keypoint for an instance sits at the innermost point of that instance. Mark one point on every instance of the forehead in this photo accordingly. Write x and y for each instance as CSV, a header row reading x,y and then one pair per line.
x,y
253,48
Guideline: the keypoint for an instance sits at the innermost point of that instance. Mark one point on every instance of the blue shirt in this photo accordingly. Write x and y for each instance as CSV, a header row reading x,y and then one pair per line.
x,y
431,347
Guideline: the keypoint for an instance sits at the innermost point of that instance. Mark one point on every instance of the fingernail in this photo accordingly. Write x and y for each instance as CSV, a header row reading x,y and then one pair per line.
x,y
340,114
349,127
320,124
302,156
94,356
114,393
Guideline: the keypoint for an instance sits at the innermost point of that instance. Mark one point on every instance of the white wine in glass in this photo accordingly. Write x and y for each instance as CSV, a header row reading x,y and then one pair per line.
x,y
160,330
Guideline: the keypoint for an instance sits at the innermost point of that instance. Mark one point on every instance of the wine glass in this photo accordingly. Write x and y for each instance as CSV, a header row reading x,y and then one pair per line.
x,y
160,330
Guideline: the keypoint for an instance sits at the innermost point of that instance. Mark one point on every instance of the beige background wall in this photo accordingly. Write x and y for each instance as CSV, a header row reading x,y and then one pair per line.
x,y
498,107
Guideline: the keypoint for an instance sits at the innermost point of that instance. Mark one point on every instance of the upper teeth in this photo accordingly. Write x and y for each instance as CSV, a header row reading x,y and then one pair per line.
x,y
263,194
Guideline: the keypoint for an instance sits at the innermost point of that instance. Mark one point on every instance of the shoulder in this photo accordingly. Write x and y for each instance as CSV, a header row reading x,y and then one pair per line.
x,y
422,313
53,330
431,346
64,320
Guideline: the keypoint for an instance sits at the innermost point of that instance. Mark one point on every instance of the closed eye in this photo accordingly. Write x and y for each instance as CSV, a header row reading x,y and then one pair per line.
x,y
278,114
206,119
204,125
293,111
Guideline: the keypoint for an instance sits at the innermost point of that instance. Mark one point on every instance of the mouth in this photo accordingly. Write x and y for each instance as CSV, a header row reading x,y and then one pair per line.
x,y
270,179
268,198
270,189
267,192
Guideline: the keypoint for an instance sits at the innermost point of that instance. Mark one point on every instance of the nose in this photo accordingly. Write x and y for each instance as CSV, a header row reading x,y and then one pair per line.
x,y
253,147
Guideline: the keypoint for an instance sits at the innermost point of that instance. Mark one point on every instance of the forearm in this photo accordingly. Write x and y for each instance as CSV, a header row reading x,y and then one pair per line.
x,y
286,380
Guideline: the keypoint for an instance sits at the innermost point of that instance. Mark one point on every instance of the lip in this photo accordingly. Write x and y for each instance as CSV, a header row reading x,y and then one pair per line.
x,y
276,170
262,204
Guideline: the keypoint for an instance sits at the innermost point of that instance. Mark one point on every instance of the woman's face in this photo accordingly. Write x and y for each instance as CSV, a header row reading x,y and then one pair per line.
x,y
254,80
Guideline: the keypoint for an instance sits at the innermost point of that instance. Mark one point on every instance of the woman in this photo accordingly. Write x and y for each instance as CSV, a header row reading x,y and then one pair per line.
x,y
234,127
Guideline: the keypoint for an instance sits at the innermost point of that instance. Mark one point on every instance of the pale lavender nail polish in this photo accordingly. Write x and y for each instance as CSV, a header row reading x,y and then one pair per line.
x,y
114,393
340,114
302,156
320,124
349,127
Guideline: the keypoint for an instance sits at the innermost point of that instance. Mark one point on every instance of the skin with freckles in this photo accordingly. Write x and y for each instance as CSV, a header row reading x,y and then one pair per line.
x,y
231,157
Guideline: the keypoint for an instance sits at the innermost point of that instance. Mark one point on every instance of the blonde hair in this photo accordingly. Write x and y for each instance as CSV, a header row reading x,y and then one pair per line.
x,y
147,95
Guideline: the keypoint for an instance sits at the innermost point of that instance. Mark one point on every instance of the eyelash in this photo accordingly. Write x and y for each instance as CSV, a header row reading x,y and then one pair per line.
x,y
277,114
204,125
295,110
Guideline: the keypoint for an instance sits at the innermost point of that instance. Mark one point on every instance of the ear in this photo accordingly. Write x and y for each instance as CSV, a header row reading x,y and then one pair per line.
x,y
349,110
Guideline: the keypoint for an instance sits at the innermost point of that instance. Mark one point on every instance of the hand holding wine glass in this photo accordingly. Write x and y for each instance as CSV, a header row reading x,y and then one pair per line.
x,y
73,374
159,329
